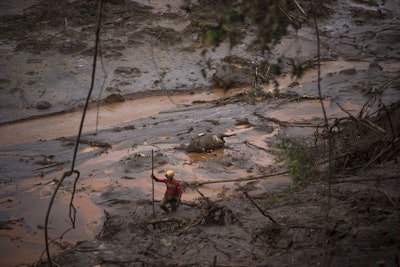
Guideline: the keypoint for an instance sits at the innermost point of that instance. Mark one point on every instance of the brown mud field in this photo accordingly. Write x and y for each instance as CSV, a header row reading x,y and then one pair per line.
x,y
241,206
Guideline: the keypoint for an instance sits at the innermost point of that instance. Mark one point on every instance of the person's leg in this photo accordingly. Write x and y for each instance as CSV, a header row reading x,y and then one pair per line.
x,y
163,205
173,205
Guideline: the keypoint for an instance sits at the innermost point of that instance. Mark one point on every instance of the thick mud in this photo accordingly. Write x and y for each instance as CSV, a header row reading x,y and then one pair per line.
x,y
153,96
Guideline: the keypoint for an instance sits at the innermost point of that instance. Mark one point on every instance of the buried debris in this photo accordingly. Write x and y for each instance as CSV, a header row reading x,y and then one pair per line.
x,y
263,212
207,142
210,214
200,183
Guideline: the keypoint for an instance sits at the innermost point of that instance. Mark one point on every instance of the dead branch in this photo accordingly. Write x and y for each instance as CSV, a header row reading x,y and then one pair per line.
x,y
92,143
266,214
200,183
301,9
344,180
391,126
48,166
286,123
192,223
290,96
382,152
124,262
364,122
389,198
255,146
166,220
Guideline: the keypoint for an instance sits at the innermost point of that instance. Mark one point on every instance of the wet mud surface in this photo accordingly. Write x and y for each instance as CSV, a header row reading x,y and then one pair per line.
x,y
153,96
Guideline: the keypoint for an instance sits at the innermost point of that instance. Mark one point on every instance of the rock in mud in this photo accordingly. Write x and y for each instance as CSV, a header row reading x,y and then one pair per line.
x,y
207,142
229,76
128,72
166,36
115,98
43,105
236,71
351,71
242,121
70,47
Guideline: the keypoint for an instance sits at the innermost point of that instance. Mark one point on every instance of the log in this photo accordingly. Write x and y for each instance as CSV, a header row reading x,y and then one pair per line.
x,y
200,183
363,122
266,214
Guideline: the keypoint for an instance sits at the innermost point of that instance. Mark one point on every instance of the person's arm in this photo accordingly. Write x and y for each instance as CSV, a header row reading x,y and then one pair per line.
x,y
155,178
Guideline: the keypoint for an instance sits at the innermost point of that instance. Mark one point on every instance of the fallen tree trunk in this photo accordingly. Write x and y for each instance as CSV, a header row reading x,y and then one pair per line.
x,y
200,183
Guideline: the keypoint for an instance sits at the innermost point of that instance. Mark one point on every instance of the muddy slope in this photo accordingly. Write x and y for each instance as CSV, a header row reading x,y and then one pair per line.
x,y
361,229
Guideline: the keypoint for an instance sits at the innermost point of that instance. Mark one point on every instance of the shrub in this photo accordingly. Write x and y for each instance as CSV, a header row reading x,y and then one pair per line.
x,y
299,158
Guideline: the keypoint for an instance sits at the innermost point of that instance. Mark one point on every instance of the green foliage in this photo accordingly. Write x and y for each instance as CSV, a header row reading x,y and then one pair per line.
x,y
299,159
232,20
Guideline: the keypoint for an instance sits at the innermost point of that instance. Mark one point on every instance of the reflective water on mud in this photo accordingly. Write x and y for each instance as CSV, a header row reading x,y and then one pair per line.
x,y
101,179
108,177
24,242
55,126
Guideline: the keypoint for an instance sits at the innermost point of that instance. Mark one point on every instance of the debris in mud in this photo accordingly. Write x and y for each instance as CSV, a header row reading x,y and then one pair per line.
x,y
43,105
243,122
8,225
128,72
207,143
377,137
125,128
157,34
257,94
114,98
236,72
93,143
362,223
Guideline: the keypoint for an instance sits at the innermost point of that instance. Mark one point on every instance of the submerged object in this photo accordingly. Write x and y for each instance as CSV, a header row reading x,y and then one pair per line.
x,y
207,142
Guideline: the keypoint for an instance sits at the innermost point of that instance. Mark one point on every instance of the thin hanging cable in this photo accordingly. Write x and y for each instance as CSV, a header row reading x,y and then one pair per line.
x,y
70,172
173,161
101,89
160,76
328,130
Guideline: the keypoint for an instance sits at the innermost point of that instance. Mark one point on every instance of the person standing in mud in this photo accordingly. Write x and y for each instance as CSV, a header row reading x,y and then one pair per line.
x,y
173,194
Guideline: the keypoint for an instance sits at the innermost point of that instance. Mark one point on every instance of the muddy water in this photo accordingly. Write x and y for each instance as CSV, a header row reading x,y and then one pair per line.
x,y
108,177
24,242
115,175
67,124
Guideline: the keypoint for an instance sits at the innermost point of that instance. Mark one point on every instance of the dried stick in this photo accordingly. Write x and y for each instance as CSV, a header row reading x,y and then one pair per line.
x,y
285,123
364,122
344,180
388,197
196,183
383,151
255,146
266,214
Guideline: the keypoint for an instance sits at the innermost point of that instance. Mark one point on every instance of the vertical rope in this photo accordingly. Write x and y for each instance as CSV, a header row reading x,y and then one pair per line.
x,y
152,180
72,210
328,131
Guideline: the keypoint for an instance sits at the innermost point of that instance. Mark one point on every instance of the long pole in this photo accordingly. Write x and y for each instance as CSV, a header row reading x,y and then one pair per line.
x,y
152,181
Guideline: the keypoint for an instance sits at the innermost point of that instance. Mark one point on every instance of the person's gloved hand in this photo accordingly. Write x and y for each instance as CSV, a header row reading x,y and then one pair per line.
x,y
152,176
